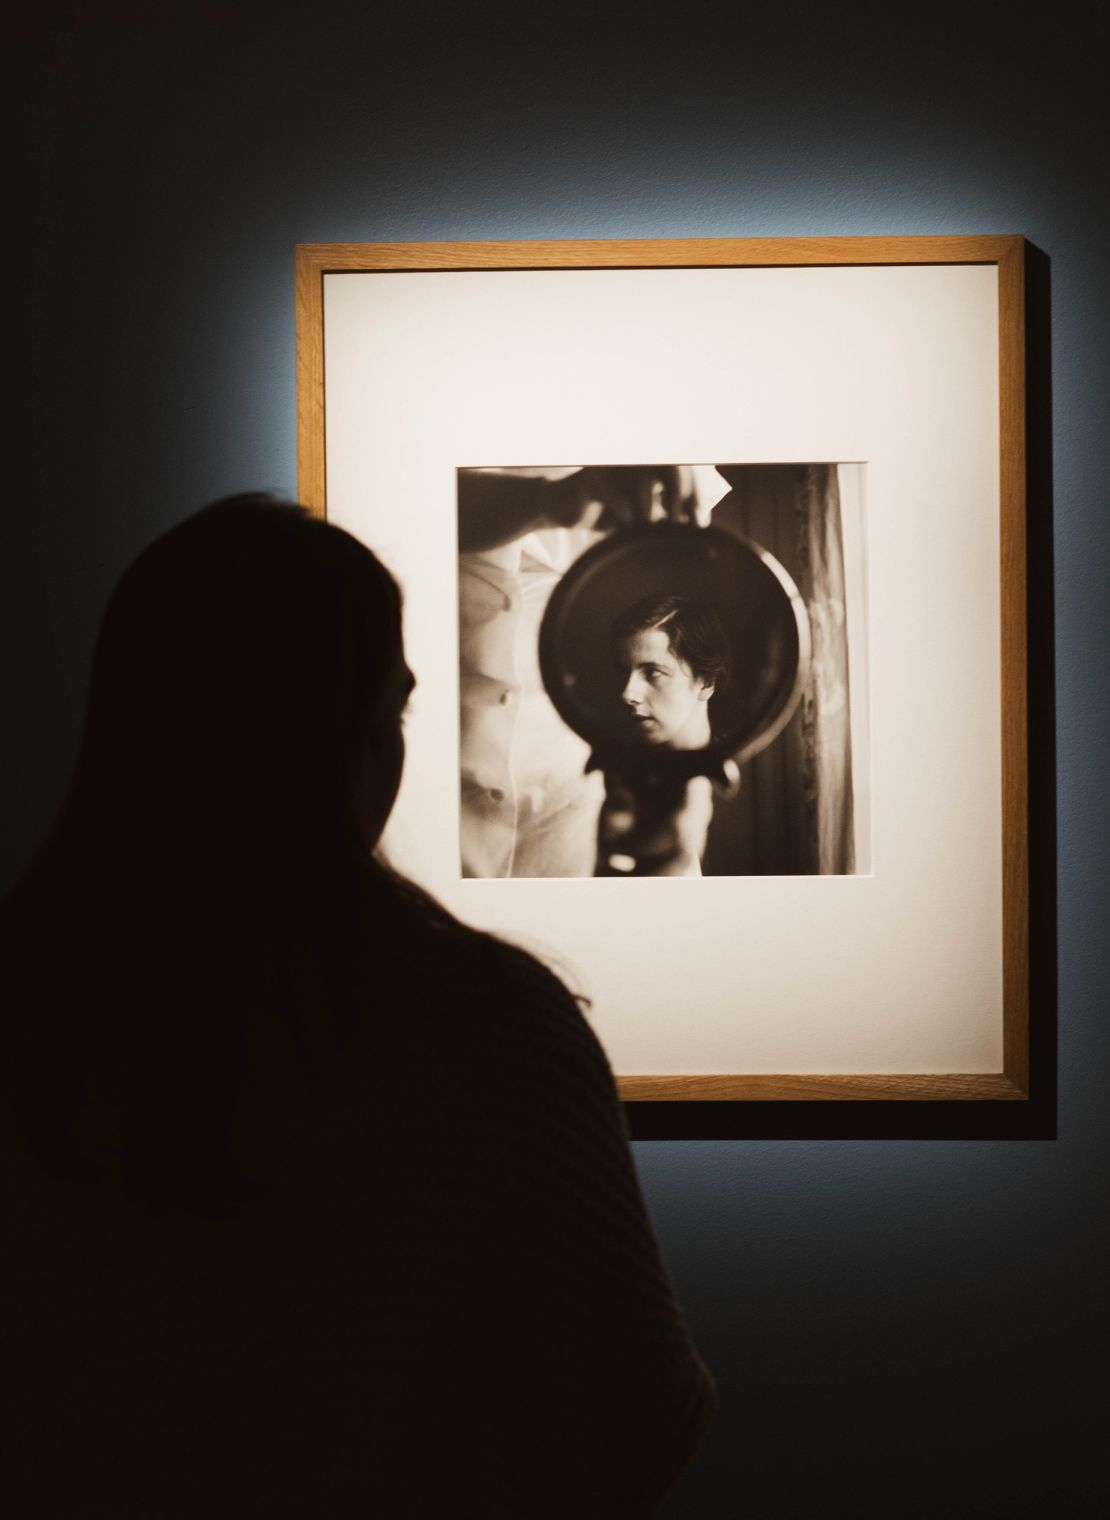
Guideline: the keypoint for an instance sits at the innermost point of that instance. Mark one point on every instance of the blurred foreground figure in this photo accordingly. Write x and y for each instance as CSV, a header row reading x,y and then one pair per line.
x,y
317,1202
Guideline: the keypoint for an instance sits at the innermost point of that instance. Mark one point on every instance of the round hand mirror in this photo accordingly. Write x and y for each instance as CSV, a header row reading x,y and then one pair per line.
x,y
672,649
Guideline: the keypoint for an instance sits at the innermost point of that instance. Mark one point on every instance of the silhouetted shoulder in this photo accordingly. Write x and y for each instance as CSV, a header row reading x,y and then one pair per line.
x,y
450,1293
579,1307
533,1011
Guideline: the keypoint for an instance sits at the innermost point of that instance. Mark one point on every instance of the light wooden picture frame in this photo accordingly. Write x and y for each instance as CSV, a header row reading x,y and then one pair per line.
x,y
340,414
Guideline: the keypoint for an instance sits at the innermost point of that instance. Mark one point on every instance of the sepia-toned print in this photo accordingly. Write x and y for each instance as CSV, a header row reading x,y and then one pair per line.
x,y
655,670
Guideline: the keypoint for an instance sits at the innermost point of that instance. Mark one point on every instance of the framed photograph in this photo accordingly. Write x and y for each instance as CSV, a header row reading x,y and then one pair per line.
x,y
713,561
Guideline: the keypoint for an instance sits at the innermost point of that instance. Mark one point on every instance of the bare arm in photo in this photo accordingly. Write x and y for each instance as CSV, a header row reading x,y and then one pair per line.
x,y
496,508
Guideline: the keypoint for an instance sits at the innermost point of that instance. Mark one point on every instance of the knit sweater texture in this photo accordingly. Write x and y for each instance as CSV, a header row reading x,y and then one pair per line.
x,y
445,1299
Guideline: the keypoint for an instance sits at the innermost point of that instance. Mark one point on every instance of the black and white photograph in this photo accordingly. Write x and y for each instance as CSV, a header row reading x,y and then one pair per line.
x,y
663,670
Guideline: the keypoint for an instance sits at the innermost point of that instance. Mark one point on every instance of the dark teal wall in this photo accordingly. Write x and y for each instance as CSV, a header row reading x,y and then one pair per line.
x,y
899,1327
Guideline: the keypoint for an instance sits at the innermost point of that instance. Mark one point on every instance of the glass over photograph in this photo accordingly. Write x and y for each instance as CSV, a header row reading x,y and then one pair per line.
x,y
663,670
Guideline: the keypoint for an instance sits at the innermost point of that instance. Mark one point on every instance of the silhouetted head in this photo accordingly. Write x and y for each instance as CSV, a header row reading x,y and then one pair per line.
x,y
246,695
213,862
213,865
672,658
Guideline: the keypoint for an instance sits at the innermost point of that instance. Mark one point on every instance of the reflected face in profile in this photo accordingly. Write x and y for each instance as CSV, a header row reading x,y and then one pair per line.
x,y
667,704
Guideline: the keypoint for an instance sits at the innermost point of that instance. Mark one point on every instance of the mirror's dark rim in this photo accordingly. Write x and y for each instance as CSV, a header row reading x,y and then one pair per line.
x,y
615,755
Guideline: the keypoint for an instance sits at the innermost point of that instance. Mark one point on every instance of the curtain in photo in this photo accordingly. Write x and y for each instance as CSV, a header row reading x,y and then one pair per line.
x,y
793,815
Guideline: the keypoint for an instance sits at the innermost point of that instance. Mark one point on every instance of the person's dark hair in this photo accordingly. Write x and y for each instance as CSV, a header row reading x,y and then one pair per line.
x,y
693,632
211,856
235,669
